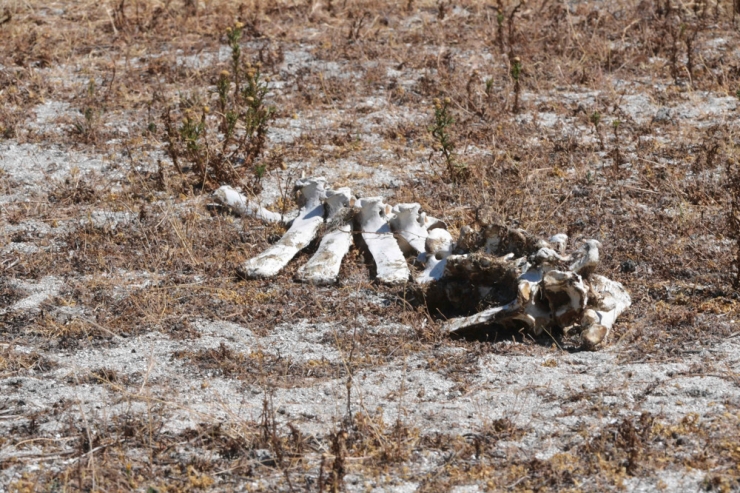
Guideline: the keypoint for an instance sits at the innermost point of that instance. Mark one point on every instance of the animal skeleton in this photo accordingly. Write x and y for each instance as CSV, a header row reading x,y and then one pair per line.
x,y
519,280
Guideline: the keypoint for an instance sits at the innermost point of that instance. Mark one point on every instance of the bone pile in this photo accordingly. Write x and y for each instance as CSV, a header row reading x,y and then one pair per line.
x,y
504,276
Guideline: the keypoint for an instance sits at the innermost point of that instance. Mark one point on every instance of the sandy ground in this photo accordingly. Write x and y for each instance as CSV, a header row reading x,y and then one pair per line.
x,y
556,398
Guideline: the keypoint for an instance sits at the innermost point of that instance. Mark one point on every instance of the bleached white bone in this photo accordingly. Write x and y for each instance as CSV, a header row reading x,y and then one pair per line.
x,y
431,223
439,243
586,258
301,233
438,247
560,241
612,301
547,258
389,260
409,228
558,299
567,295
238,203
527,309
533,312
324,265
486,317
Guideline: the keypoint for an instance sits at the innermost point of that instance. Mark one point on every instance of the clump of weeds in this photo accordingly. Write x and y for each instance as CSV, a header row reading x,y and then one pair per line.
x,y
596,121
225,146
87,126
441,132
516,72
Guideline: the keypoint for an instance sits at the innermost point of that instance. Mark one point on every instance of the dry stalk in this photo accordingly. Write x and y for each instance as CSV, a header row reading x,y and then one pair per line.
x,y
733,214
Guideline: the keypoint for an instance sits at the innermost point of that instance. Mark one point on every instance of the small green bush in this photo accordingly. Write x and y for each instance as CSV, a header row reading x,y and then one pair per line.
x,y
225,146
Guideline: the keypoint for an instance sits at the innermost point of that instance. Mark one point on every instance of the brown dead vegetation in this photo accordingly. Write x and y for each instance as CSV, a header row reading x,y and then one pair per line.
x,y
658,194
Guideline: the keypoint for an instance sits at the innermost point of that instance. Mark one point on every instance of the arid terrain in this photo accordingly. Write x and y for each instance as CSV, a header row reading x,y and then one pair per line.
x,y
133,357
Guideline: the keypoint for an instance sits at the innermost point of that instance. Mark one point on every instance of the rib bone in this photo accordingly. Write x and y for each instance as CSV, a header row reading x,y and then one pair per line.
x,y
389,260
300,234
323,267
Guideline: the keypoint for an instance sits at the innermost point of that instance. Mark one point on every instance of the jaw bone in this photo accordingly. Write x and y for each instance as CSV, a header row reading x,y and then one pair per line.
x,y
238,203
389,260
323,267
301,233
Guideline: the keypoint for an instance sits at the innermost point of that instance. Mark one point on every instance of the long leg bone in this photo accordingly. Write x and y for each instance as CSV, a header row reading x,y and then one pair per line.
x,y
323,267
389,260
300,234
238,203
611,301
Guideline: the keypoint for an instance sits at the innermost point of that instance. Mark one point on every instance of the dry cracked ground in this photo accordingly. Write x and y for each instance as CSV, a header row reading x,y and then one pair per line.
x,y
133,358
